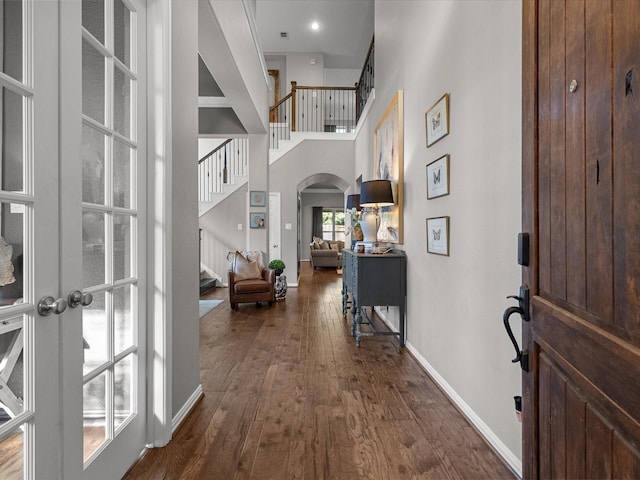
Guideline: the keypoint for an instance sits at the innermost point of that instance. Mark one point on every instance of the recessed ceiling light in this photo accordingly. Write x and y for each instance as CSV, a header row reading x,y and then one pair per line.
x,y
315,26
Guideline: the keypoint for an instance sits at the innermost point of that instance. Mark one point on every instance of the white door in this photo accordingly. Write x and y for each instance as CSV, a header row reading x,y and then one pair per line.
x,y
75,228
274,225
29,240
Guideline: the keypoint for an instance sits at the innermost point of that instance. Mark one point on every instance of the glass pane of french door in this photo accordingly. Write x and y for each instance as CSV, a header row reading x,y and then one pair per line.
x,y
112,171
29,354
71,222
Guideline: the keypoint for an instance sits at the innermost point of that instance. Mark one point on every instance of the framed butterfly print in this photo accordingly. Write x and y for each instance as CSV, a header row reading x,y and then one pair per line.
x,y
437,120
438,235
438,178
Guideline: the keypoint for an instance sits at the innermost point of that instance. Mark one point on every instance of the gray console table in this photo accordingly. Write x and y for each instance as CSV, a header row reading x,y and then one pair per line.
x,y
371,279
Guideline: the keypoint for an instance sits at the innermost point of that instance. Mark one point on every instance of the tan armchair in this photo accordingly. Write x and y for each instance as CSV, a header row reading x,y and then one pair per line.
x,y
249,279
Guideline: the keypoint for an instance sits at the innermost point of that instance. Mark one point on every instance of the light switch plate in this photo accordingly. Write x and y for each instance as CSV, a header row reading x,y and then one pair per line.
x,y
287,226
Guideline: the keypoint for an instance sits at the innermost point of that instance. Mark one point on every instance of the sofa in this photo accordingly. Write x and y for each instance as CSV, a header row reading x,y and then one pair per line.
x,y
325,253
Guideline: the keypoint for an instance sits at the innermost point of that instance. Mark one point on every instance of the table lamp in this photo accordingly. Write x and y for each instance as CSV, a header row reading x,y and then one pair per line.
x,y
373,195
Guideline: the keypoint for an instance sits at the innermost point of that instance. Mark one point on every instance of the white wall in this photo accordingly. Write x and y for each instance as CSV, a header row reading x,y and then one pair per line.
x,y
278,62
341,77
300,69
472,50
184,223
220,233
289,173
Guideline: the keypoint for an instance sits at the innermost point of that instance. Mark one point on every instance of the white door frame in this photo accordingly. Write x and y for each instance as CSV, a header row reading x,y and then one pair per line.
x,y
275,227
159,271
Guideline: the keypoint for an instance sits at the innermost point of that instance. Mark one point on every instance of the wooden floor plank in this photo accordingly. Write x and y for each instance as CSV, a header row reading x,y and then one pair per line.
x,y
288,395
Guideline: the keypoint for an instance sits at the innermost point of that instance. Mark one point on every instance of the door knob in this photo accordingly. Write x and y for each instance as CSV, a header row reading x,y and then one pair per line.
x,y
48,305
76,298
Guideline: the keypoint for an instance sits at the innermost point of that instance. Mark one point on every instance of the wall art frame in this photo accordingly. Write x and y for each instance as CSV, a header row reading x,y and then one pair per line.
x,y
388,164
437,120
257,198
438,177
257,220
438,235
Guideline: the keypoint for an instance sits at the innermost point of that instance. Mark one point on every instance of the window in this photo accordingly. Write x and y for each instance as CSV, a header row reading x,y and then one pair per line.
x,y
332,224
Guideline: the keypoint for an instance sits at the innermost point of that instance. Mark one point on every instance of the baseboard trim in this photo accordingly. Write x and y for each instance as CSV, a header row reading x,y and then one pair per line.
x,y
482,428
186,408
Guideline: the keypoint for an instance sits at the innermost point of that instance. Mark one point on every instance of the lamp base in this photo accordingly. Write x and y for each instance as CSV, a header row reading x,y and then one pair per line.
x,y
370,222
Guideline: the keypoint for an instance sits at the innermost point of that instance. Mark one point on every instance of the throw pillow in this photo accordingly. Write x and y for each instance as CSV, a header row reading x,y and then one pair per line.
x,y
334,245
6,266
245,269
324,245
255,256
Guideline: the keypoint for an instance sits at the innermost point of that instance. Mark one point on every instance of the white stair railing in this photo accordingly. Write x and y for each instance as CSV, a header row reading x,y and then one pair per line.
x,y
221,166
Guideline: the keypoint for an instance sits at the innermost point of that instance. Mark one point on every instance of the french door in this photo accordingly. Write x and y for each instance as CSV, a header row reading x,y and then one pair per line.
x,y
72,288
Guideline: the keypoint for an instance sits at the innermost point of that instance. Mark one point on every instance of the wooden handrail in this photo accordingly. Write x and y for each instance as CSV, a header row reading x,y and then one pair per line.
x,y
325,88
273,114
284,99
366,60
219,147
366,80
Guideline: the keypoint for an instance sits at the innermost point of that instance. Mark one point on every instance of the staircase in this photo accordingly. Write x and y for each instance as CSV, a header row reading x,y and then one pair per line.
x,y
306,112
318,113
221,172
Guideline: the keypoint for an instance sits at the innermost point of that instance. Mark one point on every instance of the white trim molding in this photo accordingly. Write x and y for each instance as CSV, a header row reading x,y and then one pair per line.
x,y
159,302
498,445
186,408
514,463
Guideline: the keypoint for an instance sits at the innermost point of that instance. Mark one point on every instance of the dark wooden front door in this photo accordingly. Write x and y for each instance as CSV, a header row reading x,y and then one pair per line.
x,y
581,205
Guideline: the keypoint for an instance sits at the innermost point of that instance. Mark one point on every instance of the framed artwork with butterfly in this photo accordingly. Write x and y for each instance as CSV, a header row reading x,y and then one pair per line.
x,y
437,120
438,177
438,235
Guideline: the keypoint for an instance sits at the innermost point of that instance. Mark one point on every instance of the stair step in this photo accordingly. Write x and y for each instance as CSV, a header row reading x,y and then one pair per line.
x,y
207,284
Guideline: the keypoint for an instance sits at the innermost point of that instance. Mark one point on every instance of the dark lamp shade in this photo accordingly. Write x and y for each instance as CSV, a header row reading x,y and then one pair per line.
x,y
353,201
376,193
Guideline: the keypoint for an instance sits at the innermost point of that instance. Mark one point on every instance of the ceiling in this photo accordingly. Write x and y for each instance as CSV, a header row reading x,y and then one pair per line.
x,y
344,36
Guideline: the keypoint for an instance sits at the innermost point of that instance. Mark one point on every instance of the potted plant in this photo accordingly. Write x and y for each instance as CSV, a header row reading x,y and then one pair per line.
x,y
277,265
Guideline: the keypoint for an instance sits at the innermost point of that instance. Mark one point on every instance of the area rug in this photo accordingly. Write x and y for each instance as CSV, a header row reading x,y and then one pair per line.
x,y
207,305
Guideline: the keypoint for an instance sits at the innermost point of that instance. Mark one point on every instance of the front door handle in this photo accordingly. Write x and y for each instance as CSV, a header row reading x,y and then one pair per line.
x,y
505,318
523,310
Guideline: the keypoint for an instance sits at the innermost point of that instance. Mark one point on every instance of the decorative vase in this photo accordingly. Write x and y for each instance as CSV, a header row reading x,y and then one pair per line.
x,y
281,287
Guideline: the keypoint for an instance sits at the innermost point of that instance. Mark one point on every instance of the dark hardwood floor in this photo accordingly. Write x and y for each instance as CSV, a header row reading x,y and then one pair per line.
x,y
288,395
